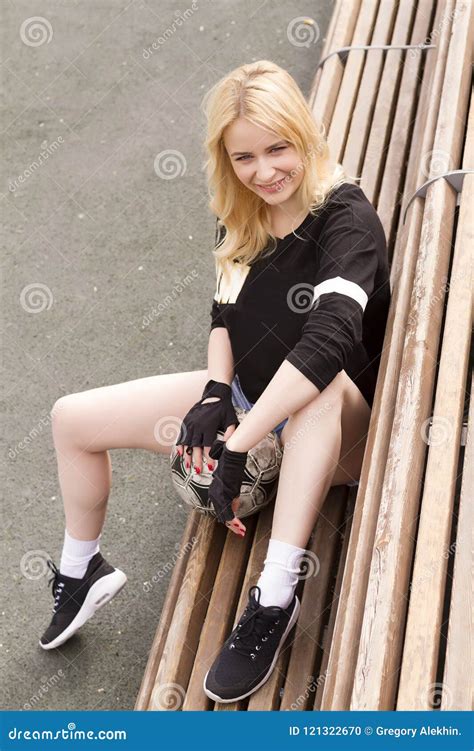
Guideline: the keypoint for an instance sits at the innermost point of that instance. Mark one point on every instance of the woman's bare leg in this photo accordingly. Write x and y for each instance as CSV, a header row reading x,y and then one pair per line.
x,y
324,444
143,413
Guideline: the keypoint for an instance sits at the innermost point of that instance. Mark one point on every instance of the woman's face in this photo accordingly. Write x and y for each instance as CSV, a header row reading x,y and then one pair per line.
x,y
261,158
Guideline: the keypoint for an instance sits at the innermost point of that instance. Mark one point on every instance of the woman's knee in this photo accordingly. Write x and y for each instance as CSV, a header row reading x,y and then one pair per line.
x,y
64,415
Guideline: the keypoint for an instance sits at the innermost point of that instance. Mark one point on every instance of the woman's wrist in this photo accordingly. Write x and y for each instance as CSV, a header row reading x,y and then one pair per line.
x,y
233,443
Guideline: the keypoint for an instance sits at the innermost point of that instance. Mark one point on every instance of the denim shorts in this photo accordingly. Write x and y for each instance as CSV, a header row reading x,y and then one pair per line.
x,y
240,400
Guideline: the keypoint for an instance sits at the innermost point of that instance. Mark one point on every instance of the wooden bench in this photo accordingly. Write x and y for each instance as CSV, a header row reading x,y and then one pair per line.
x,y
384,620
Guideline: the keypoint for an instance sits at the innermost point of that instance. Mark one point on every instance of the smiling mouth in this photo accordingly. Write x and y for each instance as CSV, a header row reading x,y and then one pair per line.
x,y
271,185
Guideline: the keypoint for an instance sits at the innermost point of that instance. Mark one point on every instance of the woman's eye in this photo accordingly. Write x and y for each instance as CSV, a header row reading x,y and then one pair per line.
x,y
275,148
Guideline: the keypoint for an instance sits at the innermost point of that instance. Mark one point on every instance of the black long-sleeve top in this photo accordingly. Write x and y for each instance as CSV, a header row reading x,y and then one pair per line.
x,y
320,300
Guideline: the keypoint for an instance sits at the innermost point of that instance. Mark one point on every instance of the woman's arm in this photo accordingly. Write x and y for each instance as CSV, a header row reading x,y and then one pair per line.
x,y
288,391
220,361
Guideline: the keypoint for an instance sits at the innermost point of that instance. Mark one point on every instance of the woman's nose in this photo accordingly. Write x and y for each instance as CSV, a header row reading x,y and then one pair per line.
x,y
265,175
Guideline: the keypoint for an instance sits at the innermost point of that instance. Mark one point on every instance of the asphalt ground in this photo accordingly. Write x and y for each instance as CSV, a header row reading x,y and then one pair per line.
x,y
94,240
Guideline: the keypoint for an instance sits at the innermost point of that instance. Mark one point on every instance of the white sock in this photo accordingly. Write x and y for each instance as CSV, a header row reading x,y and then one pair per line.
x,y
76,555
279,577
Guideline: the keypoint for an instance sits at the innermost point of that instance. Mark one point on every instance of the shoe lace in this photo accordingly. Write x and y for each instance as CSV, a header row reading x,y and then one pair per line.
x,y
255,627
57,585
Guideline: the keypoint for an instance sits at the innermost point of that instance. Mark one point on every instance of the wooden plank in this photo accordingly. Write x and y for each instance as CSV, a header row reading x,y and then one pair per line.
x,y
176,663
349,88
172,593
327,640
379,124
254,567
425,124
361,121
382,629
327,80
328,43
458,671
220,613
421,646
317,574
406,143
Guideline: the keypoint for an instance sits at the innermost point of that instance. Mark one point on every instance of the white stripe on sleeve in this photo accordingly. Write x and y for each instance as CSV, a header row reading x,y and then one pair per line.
x,y
343,287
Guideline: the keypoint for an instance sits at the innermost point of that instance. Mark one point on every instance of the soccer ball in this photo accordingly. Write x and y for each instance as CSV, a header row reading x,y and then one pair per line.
x,y
258,487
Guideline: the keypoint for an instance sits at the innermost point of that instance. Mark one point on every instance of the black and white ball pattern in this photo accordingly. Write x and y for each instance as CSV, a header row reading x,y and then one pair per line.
x,y
259,485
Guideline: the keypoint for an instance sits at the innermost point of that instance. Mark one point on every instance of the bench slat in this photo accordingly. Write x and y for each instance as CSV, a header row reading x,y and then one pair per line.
x,y
458,673
327,80
171,598
349,88
183,635
322,562
218,622
404,143
388,100
328,636
363,119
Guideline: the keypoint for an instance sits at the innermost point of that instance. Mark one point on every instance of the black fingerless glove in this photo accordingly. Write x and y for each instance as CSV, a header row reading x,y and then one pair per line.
x,y
203,421
227,479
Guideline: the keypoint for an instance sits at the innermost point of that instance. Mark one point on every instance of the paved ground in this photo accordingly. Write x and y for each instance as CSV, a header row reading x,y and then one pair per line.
x,y
94,240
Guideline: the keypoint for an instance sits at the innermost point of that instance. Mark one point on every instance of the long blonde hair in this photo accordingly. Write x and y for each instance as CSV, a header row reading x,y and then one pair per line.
x,y
268,96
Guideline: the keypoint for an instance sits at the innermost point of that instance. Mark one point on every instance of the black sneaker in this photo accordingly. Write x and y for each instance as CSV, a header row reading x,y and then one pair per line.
x,y
249,655
76,600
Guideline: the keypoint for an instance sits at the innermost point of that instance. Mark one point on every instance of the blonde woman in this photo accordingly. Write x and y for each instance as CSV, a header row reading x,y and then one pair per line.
x,y
297,327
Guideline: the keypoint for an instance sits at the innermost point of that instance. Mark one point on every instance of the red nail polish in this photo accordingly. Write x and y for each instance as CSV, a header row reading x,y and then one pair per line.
x,y
209,466
187,465
198,470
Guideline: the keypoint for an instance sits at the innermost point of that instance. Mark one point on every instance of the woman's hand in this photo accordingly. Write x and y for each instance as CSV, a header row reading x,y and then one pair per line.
x,y
236,525
215,411
224,490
